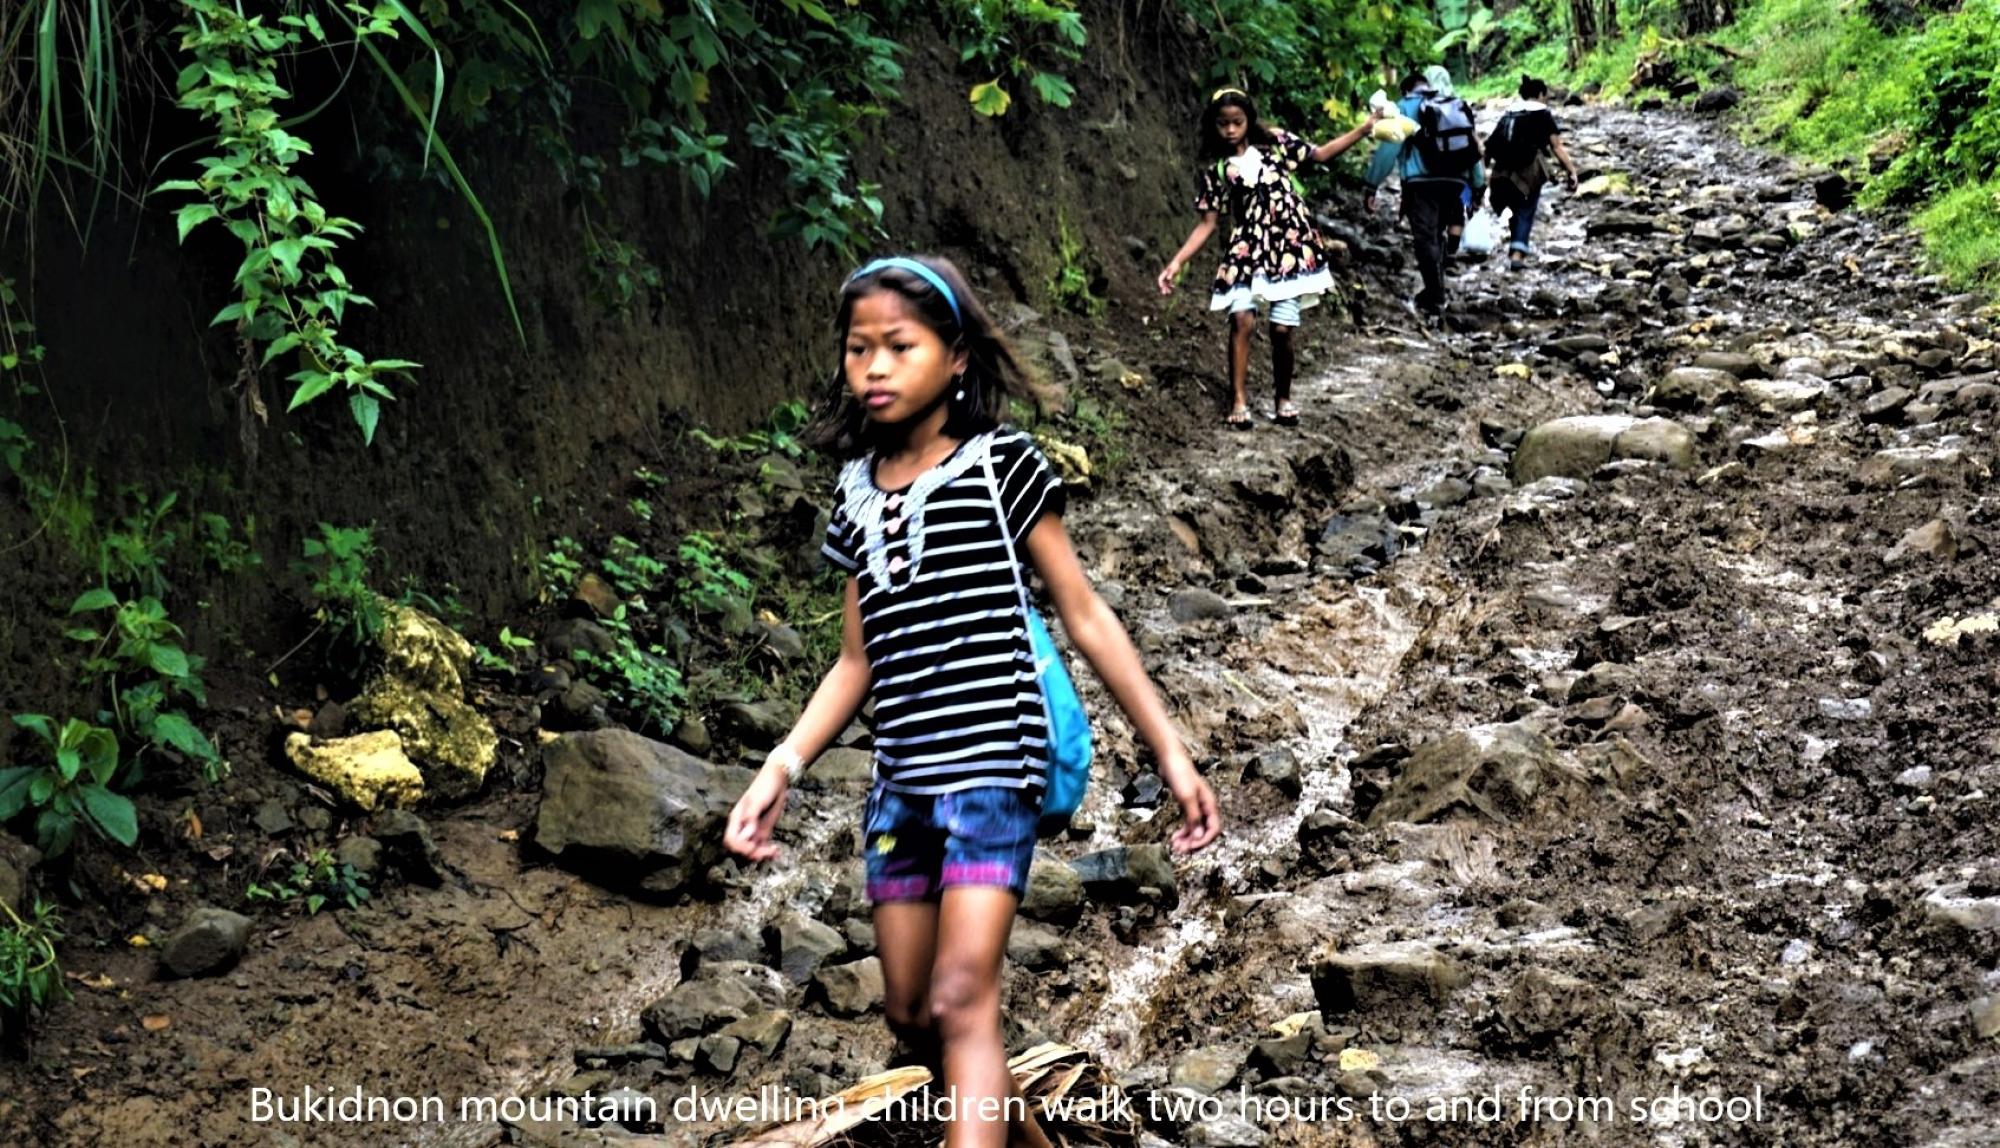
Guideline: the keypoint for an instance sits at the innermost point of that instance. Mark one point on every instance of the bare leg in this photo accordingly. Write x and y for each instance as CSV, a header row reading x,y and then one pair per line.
x,y
1282,361
906,940
1241,324
965,1004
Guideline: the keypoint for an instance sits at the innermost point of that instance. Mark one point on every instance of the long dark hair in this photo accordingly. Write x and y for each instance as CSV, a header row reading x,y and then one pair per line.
x,y
993,374
1211,145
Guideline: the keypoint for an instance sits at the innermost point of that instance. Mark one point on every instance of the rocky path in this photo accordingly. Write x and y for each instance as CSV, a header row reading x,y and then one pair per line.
x,y
1567,683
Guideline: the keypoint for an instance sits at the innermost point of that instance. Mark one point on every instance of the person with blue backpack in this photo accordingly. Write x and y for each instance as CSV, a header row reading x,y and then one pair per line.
x,y
978,733
1442,177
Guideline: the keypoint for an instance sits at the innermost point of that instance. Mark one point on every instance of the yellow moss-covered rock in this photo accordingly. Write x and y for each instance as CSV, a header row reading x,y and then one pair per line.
x,y
368,770
424,651
1071,461
452,742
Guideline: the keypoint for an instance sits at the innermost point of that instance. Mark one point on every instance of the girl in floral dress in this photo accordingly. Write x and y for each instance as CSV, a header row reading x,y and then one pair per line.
x,y
1273,260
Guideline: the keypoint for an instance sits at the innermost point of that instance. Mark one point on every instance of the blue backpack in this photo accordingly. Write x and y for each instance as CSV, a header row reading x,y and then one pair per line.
x,y
1069,726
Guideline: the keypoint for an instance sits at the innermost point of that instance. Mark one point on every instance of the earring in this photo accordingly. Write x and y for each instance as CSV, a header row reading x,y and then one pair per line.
x,y
960,382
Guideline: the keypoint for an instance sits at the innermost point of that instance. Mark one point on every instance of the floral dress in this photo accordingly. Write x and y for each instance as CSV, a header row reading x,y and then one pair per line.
x,y
1273,253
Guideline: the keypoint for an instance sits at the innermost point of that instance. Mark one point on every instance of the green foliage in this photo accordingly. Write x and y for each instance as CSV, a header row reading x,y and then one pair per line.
x,y
29,973
1022,41
311,882
512,645
338,562
292,296
631,571
709,585
1311,61
779,436
71,786
1962,235
560,567
139,661
638,676
1069,287
219,547
1954,115
135,552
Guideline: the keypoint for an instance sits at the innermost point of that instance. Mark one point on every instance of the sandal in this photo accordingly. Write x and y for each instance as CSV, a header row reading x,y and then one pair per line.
x,y
1288,414
1239,419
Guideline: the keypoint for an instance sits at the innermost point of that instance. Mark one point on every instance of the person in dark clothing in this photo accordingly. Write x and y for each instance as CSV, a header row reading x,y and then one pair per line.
x,y
1434,204
1514,155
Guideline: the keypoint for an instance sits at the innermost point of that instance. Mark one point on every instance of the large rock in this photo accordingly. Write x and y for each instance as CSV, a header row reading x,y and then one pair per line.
x,y
853,988
1901,464
369,771
1371,978
1576,446
1055,891
16,859
1498,772
419,692
1688,388
802,945
1207,1070
698,1007
1118,875
634,812
209,941
1741,364
759,725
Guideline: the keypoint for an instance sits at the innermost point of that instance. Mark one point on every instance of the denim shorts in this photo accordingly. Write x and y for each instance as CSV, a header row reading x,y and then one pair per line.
x,y
918,846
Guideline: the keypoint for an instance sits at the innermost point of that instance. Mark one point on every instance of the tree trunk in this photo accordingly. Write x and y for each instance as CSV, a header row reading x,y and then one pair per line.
x,y
1582,28
1700,17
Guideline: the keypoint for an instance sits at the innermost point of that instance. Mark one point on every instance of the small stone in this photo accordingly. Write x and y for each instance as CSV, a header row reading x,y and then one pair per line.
x,y
406,841
1036,947
691,734
1193,604
272,818
208,941
363,853
1118,875
764,1031
1846,709
1886,404
1226,1131
1207,1070
1369,977
760,725
1796,952
1986,1017
699,1007
1933,540
717,1053
1917,777
593,596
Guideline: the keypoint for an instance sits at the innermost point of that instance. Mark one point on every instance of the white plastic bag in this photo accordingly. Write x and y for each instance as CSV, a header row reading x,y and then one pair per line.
x,y
1482,233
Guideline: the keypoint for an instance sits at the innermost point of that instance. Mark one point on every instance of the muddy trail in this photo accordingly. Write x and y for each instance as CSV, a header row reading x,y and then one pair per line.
x,y
1580,682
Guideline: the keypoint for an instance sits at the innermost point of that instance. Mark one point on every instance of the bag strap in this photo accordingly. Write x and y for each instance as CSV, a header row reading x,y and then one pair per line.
x,y
1006,527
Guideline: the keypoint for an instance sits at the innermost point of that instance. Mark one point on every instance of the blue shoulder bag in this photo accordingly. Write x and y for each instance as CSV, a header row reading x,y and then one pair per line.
x,y
1069,725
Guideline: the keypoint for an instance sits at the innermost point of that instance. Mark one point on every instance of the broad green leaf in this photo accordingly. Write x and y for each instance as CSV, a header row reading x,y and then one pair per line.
x,y
97,599
367,412
1052,88
68,762
113,813
194,215
176,731
82,634
312,385
287,253
14,785
990,99
168,660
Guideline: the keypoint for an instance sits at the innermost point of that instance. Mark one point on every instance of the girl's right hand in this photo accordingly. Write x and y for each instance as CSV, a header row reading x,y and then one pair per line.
x,y
756,815
1167,277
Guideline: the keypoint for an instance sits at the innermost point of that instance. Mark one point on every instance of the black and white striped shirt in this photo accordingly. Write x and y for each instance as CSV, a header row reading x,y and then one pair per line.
x,y
956,701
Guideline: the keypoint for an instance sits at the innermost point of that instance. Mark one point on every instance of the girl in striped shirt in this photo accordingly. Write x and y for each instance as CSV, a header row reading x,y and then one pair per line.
x,y
934,503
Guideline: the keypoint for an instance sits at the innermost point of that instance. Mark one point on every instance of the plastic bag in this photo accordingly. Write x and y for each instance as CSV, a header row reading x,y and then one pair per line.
x,y
1393,129
1482,233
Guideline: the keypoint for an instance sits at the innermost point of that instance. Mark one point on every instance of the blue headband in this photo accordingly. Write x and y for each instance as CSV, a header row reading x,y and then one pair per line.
x,y
921,272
